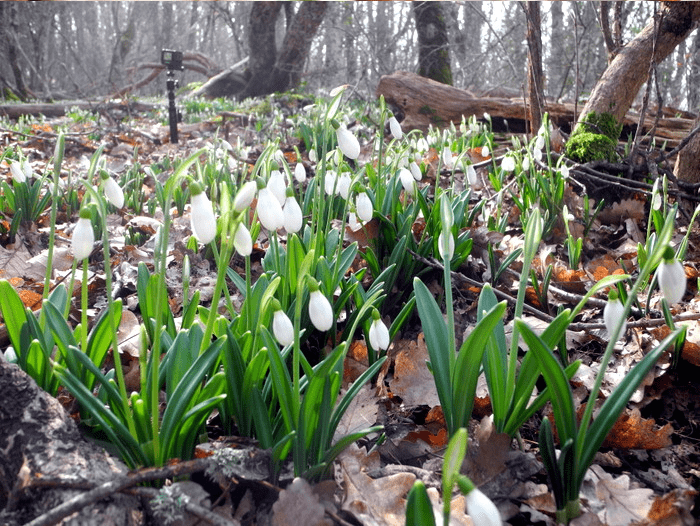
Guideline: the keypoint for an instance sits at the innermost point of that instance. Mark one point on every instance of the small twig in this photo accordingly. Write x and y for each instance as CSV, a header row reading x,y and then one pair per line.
x,y
78,502
195,509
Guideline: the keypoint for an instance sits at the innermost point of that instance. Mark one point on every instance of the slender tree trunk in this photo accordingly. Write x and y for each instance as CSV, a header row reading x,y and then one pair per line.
x,y
433,45
616,89
535,77
687,167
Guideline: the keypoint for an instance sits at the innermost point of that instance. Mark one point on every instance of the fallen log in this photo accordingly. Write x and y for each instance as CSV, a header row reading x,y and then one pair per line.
x,y
59,108
424,102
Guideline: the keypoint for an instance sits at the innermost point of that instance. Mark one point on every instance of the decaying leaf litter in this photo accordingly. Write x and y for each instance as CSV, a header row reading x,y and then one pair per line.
x,y
645,474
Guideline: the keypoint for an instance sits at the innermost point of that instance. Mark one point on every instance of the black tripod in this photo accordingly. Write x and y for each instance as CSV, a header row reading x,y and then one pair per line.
x,y
172,60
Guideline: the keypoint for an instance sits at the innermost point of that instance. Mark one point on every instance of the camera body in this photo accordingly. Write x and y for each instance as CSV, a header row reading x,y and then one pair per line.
x,y
171,59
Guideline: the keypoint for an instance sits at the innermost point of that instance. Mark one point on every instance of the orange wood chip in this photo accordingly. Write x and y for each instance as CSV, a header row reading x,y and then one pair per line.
x,y
30,299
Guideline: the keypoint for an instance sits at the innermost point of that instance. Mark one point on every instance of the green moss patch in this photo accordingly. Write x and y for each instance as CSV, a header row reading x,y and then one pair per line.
x,y
594,138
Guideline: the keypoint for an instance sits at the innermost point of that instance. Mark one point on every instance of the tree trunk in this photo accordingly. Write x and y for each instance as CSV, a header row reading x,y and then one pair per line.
x,y
687,167
433,45
269,72
535,76
616,89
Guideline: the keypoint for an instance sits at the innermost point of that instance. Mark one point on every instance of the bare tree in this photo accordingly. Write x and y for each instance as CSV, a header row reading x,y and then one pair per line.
x,y
433,45
535,77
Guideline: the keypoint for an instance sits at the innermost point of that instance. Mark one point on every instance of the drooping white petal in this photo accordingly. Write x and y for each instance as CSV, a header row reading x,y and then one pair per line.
x,y
83,238
269,210
395,128
329,184
672,280
379,335
481,509
363,205
447,157
508,164
415,171
242,241
471,174
343,186
348,143
282,328
277,186
320,311
202,218
485,151
18,174
407,181
245,196
293,218
113,192
612,313
300,173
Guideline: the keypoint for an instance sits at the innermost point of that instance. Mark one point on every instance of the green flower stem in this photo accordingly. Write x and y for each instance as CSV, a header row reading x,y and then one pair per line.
x,y
449,309
58,159
84,307
652,261
222,265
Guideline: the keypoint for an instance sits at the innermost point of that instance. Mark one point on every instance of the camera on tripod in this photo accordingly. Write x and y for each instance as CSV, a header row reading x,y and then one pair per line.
x,y
172,60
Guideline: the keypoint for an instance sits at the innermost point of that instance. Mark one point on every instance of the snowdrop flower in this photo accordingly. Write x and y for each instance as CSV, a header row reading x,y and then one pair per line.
x,y
293,218
269,210
337,90
415,171
277,186
671,275
347,142
378,333
471,174
487,116
18,171
202,217
83,236
481,509
422,145
508,164
320,310
242,241
112,190
537,154
613,311
343,186
446,246
526,163
485,151
407,181
245,196
363,206
447,157
300,173
564,171
313,157
395,128
282,326
539,143
330,182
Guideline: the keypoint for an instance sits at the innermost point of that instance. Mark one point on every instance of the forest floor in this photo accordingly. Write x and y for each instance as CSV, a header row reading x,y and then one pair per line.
x,y
647,472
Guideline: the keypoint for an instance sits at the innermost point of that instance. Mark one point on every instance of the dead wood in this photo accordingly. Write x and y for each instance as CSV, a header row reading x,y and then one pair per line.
x,y
424,102
59,109
38,439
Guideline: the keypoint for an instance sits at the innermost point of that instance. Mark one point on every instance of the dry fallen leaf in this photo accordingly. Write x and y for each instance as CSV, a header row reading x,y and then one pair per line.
x,y
412,380
631,431
298,504
616,501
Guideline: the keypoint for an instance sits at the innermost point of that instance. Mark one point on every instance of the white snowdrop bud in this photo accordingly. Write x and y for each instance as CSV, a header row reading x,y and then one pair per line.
x,y
481,509
526,163
17,172
245,196
269,210
277,186
671,276
202,217
348,143
508,164
343,186
485,150
242,241
409,184
613,311
446,245
415,171
83,236
447,157
363,205
395,128
293,218
471,174
300,173
113,192
330,182
378,333
282,327
320,311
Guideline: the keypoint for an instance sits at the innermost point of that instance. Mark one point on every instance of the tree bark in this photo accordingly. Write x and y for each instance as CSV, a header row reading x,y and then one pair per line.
x,y
535,77
616,89
433,45
687,167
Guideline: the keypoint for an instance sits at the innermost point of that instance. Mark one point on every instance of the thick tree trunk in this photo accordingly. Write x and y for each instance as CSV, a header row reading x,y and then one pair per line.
x,y
616,89
261,41
433,44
